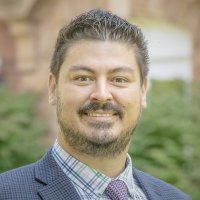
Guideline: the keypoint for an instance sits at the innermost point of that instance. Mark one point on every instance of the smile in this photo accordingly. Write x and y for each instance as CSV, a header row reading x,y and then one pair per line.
x,y
99,114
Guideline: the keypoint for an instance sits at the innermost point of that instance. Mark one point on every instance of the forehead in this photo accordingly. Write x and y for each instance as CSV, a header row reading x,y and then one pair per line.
x,y
100,55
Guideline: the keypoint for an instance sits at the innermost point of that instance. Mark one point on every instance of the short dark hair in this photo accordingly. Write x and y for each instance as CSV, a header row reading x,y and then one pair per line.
x,y
100,25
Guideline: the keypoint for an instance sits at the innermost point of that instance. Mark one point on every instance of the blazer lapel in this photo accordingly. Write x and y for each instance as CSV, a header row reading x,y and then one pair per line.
x,y
150,189
59,189
55,184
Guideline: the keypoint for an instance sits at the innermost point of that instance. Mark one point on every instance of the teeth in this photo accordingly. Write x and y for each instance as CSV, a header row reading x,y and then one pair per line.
x,y
99,115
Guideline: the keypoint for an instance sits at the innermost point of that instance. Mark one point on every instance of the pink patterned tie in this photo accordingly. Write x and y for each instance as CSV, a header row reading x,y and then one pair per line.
x,y
117,190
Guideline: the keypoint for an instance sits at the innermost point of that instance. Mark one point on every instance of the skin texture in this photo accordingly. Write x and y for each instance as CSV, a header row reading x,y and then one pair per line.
x,y
99,99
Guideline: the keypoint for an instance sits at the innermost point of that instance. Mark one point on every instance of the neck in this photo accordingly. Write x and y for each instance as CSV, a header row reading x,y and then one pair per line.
x,y
111,167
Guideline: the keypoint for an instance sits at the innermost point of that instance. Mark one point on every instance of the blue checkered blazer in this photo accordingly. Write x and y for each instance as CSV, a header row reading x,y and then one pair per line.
x,y
45,180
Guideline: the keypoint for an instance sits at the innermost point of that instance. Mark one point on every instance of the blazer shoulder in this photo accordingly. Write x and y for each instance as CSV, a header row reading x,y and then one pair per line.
x,y
167,190
18,175
18,182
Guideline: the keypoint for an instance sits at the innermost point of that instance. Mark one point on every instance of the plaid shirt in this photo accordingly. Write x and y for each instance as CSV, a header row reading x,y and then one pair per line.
x,y
91,184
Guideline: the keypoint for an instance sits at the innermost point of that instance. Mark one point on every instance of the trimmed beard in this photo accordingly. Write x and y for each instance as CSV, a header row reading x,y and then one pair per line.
x,y
105,147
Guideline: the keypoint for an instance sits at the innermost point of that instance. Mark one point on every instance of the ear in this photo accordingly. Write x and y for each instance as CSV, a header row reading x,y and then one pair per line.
x,y
52,89
144,93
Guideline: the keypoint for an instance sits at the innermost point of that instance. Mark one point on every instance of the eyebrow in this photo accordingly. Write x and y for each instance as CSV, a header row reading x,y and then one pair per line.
x,y
80,67
88,69
122,69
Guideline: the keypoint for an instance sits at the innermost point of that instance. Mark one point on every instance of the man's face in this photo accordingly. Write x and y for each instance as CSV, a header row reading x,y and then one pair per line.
x,y
98,96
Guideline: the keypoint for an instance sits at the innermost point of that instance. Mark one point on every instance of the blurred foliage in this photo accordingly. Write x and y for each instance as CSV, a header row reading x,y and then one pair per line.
x,y
166,143
19,130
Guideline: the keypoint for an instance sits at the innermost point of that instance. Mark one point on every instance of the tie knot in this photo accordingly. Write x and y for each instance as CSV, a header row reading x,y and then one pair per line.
x,y
117,190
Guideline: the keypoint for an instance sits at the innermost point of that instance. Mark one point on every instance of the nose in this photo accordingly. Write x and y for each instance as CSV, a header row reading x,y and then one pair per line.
x,y
101,92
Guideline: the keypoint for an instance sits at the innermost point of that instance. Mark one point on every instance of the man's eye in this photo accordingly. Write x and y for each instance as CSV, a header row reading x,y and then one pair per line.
x,y
83,78
120,80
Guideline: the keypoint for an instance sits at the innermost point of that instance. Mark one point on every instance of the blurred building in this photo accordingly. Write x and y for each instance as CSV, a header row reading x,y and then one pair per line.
x,y
28,30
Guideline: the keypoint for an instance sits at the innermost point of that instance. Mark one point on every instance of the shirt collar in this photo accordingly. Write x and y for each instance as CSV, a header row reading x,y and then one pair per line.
x,y
86,178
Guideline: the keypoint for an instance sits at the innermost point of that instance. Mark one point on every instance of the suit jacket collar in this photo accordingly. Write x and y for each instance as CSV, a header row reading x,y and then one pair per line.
x,y
149,187
56,185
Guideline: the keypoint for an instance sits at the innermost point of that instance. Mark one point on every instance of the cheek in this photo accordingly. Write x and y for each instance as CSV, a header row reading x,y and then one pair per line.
x,y
129,98
132,105
133,108
69,111
71,100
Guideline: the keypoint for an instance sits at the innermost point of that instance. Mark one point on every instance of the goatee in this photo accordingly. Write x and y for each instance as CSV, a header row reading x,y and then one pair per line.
x,y
105,145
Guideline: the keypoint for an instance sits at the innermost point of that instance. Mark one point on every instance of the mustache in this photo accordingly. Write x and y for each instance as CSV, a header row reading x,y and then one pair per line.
x,y
94,106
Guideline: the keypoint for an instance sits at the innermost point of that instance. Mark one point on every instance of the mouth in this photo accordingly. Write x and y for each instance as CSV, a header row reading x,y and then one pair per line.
x,y
105,111
100,116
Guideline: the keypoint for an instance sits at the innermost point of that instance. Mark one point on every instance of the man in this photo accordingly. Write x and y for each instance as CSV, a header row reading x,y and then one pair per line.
x,y
98,84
